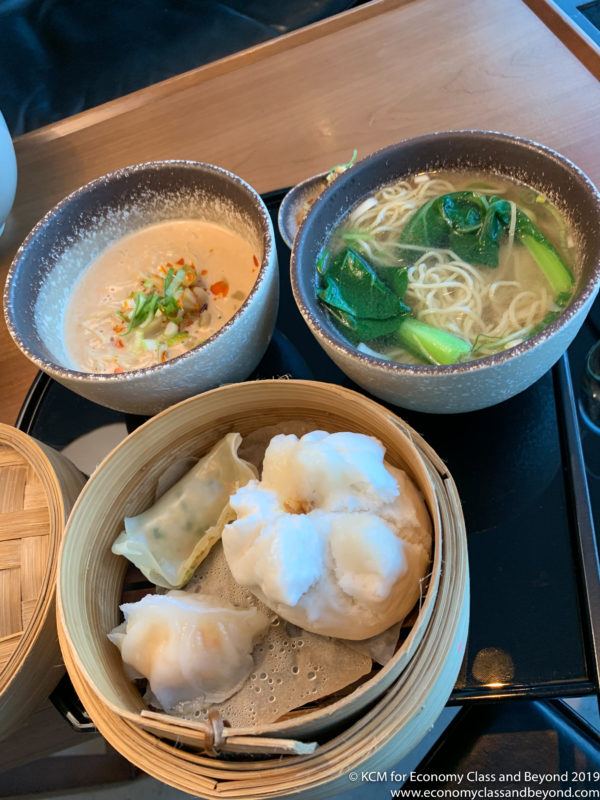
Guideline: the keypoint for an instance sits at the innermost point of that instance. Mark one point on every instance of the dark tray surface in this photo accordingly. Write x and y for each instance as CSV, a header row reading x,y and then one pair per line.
x,y
532,612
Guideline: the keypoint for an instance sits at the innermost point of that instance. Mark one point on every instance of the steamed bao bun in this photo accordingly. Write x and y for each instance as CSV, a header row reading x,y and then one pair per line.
x,y
332,538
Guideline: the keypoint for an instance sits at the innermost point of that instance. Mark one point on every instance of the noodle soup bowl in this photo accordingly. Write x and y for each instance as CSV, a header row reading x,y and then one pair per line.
x,y
473,384
54,255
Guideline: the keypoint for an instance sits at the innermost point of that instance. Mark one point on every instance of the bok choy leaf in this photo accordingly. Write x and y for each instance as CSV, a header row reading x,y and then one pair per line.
x,y
364,308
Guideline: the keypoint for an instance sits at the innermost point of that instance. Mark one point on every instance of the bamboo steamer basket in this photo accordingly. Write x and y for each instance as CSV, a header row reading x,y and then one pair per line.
x,y
38,486
91,580
89,605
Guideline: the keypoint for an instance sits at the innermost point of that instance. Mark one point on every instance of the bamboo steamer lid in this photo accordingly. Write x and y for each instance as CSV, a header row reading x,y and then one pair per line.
x,y
38,486
91,580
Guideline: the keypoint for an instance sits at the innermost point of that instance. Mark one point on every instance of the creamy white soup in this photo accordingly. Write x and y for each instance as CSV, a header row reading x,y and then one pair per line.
x,y
156,293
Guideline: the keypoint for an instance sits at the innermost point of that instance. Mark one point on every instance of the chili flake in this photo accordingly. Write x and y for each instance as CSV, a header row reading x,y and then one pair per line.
x,y
220,288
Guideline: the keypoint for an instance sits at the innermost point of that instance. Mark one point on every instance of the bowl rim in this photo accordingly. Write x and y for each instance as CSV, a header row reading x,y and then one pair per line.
x,y
322,329
68,373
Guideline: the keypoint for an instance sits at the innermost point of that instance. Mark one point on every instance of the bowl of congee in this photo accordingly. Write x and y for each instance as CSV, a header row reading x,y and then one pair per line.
x,y
448,272
147,285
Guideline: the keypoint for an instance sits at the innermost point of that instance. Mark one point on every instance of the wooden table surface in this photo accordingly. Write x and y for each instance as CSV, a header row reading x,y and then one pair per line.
x,y
299,104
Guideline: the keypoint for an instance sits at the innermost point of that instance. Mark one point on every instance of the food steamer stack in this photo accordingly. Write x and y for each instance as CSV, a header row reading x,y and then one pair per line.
x,y
311,751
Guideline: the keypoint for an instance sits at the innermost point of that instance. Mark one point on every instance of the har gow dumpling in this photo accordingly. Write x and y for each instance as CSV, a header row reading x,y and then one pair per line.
x,y
168,541
189,646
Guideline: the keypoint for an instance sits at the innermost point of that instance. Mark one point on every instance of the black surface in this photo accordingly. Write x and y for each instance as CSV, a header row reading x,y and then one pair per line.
x,y
588,336
591,11
537,745
534,608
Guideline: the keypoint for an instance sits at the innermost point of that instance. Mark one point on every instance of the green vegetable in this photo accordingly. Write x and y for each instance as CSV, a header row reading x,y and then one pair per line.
x,y
144,309
366,303
395,278
473,225
469,224
322,261
169,307
343,167
431,344
559,276
550,317
147,305
173,281
352,285
359,329
363,308
177,337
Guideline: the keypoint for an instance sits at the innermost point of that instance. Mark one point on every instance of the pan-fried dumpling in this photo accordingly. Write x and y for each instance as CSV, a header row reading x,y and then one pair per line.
x,y
168,541
189,646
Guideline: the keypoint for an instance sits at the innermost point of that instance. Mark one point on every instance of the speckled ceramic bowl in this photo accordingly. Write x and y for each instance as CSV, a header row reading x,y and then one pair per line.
x,y
474,384
63,243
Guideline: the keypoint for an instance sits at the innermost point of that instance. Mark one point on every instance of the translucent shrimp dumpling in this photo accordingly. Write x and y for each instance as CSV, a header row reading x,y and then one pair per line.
x,y
189,646
332,538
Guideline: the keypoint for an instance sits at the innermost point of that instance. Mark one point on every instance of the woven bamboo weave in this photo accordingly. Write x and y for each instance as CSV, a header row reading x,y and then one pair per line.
x,y
37,488
24,547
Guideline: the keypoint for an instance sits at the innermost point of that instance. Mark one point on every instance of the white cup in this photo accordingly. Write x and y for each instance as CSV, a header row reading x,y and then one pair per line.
x,y
8,173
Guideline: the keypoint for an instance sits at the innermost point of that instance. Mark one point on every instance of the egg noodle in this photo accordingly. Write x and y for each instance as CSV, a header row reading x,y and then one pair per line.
x,y
493,309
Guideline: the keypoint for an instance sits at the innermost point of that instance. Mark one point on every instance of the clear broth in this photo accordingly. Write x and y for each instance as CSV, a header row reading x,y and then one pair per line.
x,y
374,233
